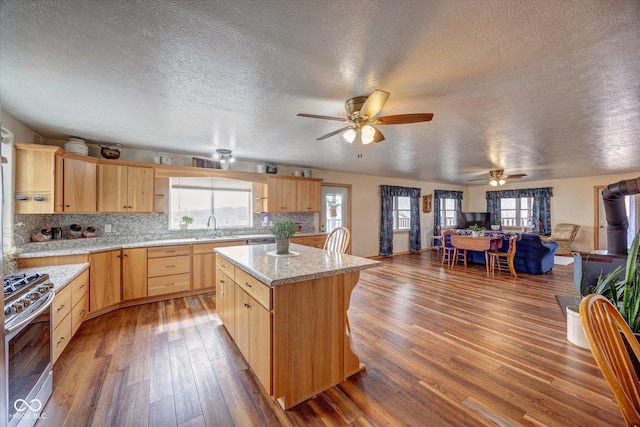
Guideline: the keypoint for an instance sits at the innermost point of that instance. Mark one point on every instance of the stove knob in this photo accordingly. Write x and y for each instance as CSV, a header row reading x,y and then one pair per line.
x,y
26,302
35,295
18,306
8,311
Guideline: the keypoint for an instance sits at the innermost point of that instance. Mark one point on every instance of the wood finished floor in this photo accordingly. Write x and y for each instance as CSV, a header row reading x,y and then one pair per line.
x,y
442,347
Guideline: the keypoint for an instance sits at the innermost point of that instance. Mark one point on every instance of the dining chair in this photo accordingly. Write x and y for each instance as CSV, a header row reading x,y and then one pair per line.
x,y
605,329
448,250
338,240
504,259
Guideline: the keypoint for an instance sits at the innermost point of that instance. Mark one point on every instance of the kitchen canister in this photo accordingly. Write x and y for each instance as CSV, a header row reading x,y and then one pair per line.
x,y
261,168
76,145
306,173
297,173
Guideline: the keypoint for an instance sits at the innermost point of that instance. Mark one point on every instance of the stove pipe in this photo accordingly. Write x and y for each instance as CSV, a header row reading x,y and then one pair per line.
x,y
616,213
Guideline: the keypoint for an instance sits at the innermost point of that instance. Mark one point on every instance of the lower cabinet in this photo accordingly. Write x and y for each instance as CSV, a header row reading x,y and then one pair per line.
x,y
134,273
105,279
168,269
243,304
70,306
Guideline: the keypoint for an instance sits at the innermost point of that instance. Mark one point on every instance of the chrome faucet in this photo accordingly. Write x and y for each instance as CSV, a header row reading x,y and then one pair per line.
x,y
212,219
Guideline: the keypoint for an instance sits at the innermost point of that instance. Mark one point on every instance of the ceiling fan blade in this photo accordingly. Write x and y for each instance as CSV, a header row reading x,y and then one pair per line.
x,y
378,136
335,132
479,179
514,176
403,118
374,103
315,116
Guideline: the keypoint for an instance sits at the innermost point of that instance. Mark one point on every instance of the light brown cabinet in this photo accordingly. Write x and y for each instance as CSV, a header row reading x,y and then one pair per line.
x,y
134,273
203,263
104,279
38,171
225,293
281,195
70,306
79,186
125,188
168,269
308,194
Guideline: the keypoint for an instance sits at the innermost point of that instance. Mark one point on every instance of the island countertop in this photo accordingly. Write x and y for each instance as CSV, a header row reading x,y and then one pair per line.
x,y
311,263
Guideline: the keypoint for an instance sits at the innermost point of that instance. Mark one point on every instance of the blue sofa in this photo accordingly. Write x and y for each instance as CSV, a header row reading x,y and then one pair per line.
x,y
532,255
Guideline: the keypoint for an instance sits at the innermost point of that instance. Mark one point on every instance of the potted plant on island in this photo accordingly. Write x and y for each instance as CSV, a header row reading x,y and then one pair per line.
x,y
185,221
476,229
496,223
283,229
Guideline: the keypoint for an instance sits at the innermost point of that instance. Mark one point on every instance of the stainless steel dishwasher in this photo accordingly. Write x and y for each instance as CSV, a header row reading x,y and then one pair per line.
x,y
261,241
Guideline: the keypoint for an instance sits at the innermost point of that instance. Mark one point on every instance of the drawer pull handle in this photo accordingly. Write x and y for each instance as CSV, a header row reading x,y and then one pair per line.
x,y
82,312
248,285
169,251
169,284
61,307
60,342
169,266
38,198
82,286
247,305
21,197
222,281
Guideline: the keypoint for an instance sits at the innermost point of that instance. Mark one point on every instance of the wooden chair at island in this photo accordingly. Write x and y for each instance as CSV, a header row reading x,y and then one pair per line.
x,y
605,329
504,259
448,250
338,240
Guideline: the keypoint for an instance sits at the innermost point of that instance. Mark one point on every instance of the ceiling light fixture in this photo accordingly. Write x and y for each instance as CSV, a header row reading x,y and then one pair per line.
x,y
349,135
223,156
495,182
366,134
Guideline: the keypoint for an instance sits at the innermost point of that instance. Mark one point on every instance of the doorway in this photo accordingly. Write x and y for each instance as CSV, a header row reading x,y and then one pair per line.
x,y
336,207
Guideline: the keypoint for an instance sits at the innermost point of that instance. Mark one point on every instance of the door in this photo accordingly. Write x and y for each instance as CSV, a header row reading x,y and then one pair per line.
x,y
140,189
134,273
104,283
336,207
79,186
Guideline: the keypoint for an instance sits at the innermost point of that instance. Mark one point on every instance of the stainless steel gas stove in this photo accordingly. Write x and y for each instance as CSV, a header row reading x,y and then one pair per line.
x,y
27,355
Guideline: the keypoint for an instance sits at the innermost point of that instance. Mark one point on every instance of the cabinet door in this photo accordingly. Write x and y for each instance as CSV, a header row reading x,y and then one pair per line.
x,y
104,287
79,186
241,319
140,189
34,181
308,196
281,195
112,188
260,343
204,267
225,301
134,273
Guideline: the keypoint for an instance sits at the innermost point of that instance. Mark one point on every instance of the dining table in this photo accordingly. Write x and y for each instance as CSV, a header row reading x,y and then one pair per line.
x,y
478,243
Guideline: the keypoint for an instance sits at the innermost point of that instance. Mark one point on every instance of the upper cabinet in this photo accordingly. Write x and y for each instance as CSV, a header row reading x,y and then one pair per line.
x,y
79,194
308,196
282,195
293,195
125,188
48,182
36,178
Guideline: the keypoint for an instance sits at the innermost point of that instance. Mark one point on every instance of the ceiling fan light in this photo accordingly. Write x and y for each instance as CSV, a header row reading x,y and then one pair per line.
x,y
493,183
349,135
366,139
368,131
216,155
502,181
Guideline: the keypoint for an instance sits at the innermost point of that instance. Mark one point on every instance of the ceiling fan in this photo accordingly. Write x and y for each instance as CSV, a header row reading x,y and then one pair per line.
x,y
361,116
498,177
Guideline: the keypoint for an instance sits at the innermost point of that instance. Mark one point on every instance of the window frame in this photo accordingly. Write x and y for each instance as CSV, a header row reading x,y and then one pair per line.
x,y
518,212
396,214
444,210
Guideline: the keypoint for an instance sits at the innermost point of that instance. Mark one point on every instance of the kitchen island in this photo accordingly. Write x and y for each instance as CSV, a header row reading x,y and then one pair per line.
x,y
288,315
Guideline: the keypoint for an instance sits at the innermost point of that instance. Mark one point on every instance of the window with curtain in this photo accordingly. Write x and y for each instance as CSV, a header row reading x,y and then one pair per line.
x,y
536,211
516,212
401,213
447,206
391,207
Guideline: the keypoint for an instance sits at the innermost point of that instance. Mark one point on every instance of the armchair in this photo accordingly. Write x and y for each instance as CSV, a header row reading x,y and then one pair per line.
x,y
564,234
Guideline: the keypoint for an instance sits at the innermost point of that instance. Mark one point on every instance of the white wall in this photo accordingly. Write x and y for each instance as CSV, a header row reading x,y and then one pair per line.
x,y
572,202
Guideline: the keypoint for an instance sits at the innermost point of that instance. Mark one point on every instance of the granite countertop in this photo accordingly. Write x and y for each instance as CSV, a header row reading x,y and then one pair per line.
x,y
100,247
312,263
60,275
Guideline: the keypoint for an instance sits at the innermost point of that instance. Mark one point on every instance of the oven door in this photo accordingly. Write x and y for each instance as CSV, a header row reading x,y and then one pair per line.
x,y
28,356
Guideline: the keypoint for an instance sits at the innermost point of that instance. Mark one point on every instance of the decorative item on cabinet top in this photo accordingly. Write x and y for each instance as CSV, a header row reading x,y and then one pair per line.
x,y
76,145
109,152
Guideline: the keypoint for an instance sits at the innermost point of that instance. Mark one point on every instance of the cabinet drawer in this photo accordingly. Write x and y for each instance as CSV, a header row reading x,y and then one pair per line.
x,y
61,305
258,290
78,313
226,267
61,337
169,284
314,241
168,251
79,287
169,265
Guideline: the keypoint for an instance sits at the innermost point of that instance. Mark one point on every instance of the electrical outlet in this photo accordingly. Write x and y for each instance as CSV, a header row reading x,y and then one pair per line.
x,y
107,228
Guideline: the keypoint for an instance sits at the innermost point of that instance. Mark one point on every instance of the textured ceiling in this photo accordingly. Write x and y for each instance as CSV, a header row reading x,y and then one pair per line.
x,y
546,88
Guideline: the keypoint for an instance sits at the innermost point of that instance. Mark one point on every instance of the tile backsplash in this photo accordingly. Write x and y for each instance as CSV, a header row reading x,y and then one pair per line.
x,y
134,227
